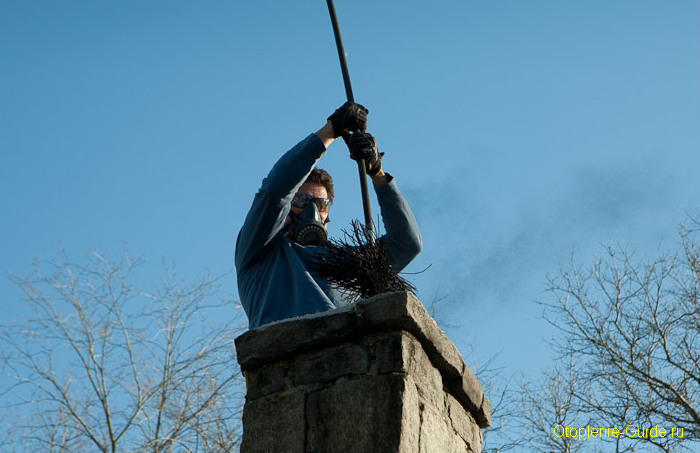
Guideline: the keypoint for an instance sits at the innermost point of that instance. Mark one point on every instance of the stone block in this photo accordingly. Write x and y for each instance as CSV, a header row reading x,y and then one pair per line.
x,y
468,390
437,435
400,352
274,423
287,338
410,418
359,415
264,380
404,311
387,352
484,415
330,364
463,423
371,377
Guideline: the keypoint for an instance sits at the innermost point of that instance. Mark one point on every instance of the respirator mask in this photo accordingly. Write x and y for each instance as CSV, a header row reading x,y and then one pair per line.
x,y
308,227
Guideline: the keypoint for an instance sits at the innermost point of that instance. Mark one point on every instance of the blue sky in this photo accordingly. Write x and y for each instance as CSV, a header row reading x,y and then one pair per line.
x,y
520,132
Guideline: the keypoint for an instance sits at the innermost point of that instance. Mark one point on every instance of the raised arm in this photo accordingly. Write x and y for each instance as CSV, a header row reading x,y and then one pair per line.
x,y
402,238
271,203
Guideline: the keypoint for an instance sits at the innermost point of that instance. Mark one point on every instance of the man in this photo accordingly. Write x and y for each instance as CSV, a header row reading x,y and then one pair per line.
x,y
274,281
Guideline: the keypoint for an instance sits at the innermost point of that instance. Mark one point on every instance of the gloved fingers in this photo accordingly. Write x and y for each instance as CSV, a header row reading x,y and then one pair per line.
x,y
364,146
349,117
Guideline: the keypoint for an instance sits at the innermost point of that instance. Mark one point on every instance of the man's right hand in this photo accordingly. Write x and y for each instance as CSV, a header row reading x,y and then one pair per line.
x,y
364,146
349,117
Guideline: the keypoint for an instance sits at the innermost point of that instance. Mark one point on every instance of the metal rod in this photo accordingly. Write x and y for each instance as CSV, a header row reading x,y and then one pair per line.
x,y
341,52
367,208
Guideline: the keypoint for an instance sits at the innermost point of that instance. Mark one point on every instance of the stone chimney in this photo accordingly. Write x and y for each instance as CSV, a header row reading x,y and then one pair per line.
x,y
377,376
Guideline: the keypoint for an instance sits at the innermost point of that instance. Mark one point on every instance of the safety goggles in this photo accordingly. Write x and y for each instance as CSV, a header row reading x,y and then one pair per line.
x,y
301,200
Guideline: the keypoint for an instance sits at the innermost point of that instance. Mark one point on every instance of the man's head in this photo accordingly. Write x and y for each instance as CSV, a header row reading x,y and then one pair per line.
x,y
317,187
318,176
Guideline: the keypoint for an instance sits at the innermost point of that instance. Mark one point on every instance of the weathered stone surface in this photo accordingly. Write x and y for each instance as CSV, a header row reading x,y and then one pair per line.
x,y
468,390
356,416
329,364
387,352
437,435
410,418
463,423
376,376
264,380
274,423
293,336
484,415
404,311
400,352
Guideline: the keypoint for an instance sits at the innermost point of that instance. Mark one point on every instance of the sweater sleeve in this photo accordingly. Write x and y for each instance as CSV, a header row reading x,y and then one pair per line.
x,y
271,203
402,238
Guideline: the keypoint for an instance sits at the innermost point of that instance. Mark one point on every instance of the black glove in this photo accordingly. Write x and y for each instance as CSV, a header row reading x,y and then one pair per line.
x,y
350,117
363,146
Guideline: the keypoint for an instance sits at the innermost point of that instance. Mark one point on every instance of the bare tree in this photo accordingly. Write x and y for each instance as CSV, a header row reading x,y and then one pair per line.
x,y
535,416
503,435
633,330
549,416
100,366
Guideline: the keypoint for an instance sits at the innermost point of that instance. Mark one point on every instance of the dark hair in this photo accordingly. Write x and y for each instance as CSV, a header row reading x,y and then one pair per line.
x,y
318,176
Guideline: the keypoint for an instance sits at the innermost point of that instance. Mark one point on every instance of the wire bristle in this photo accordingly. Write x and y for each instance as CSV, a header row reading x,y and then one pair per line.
x,y
357,267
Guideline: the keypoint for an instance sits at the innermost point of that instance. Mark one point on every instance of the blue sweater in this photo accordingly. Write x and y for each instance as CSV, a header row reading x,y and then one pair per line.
x,y
273,280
